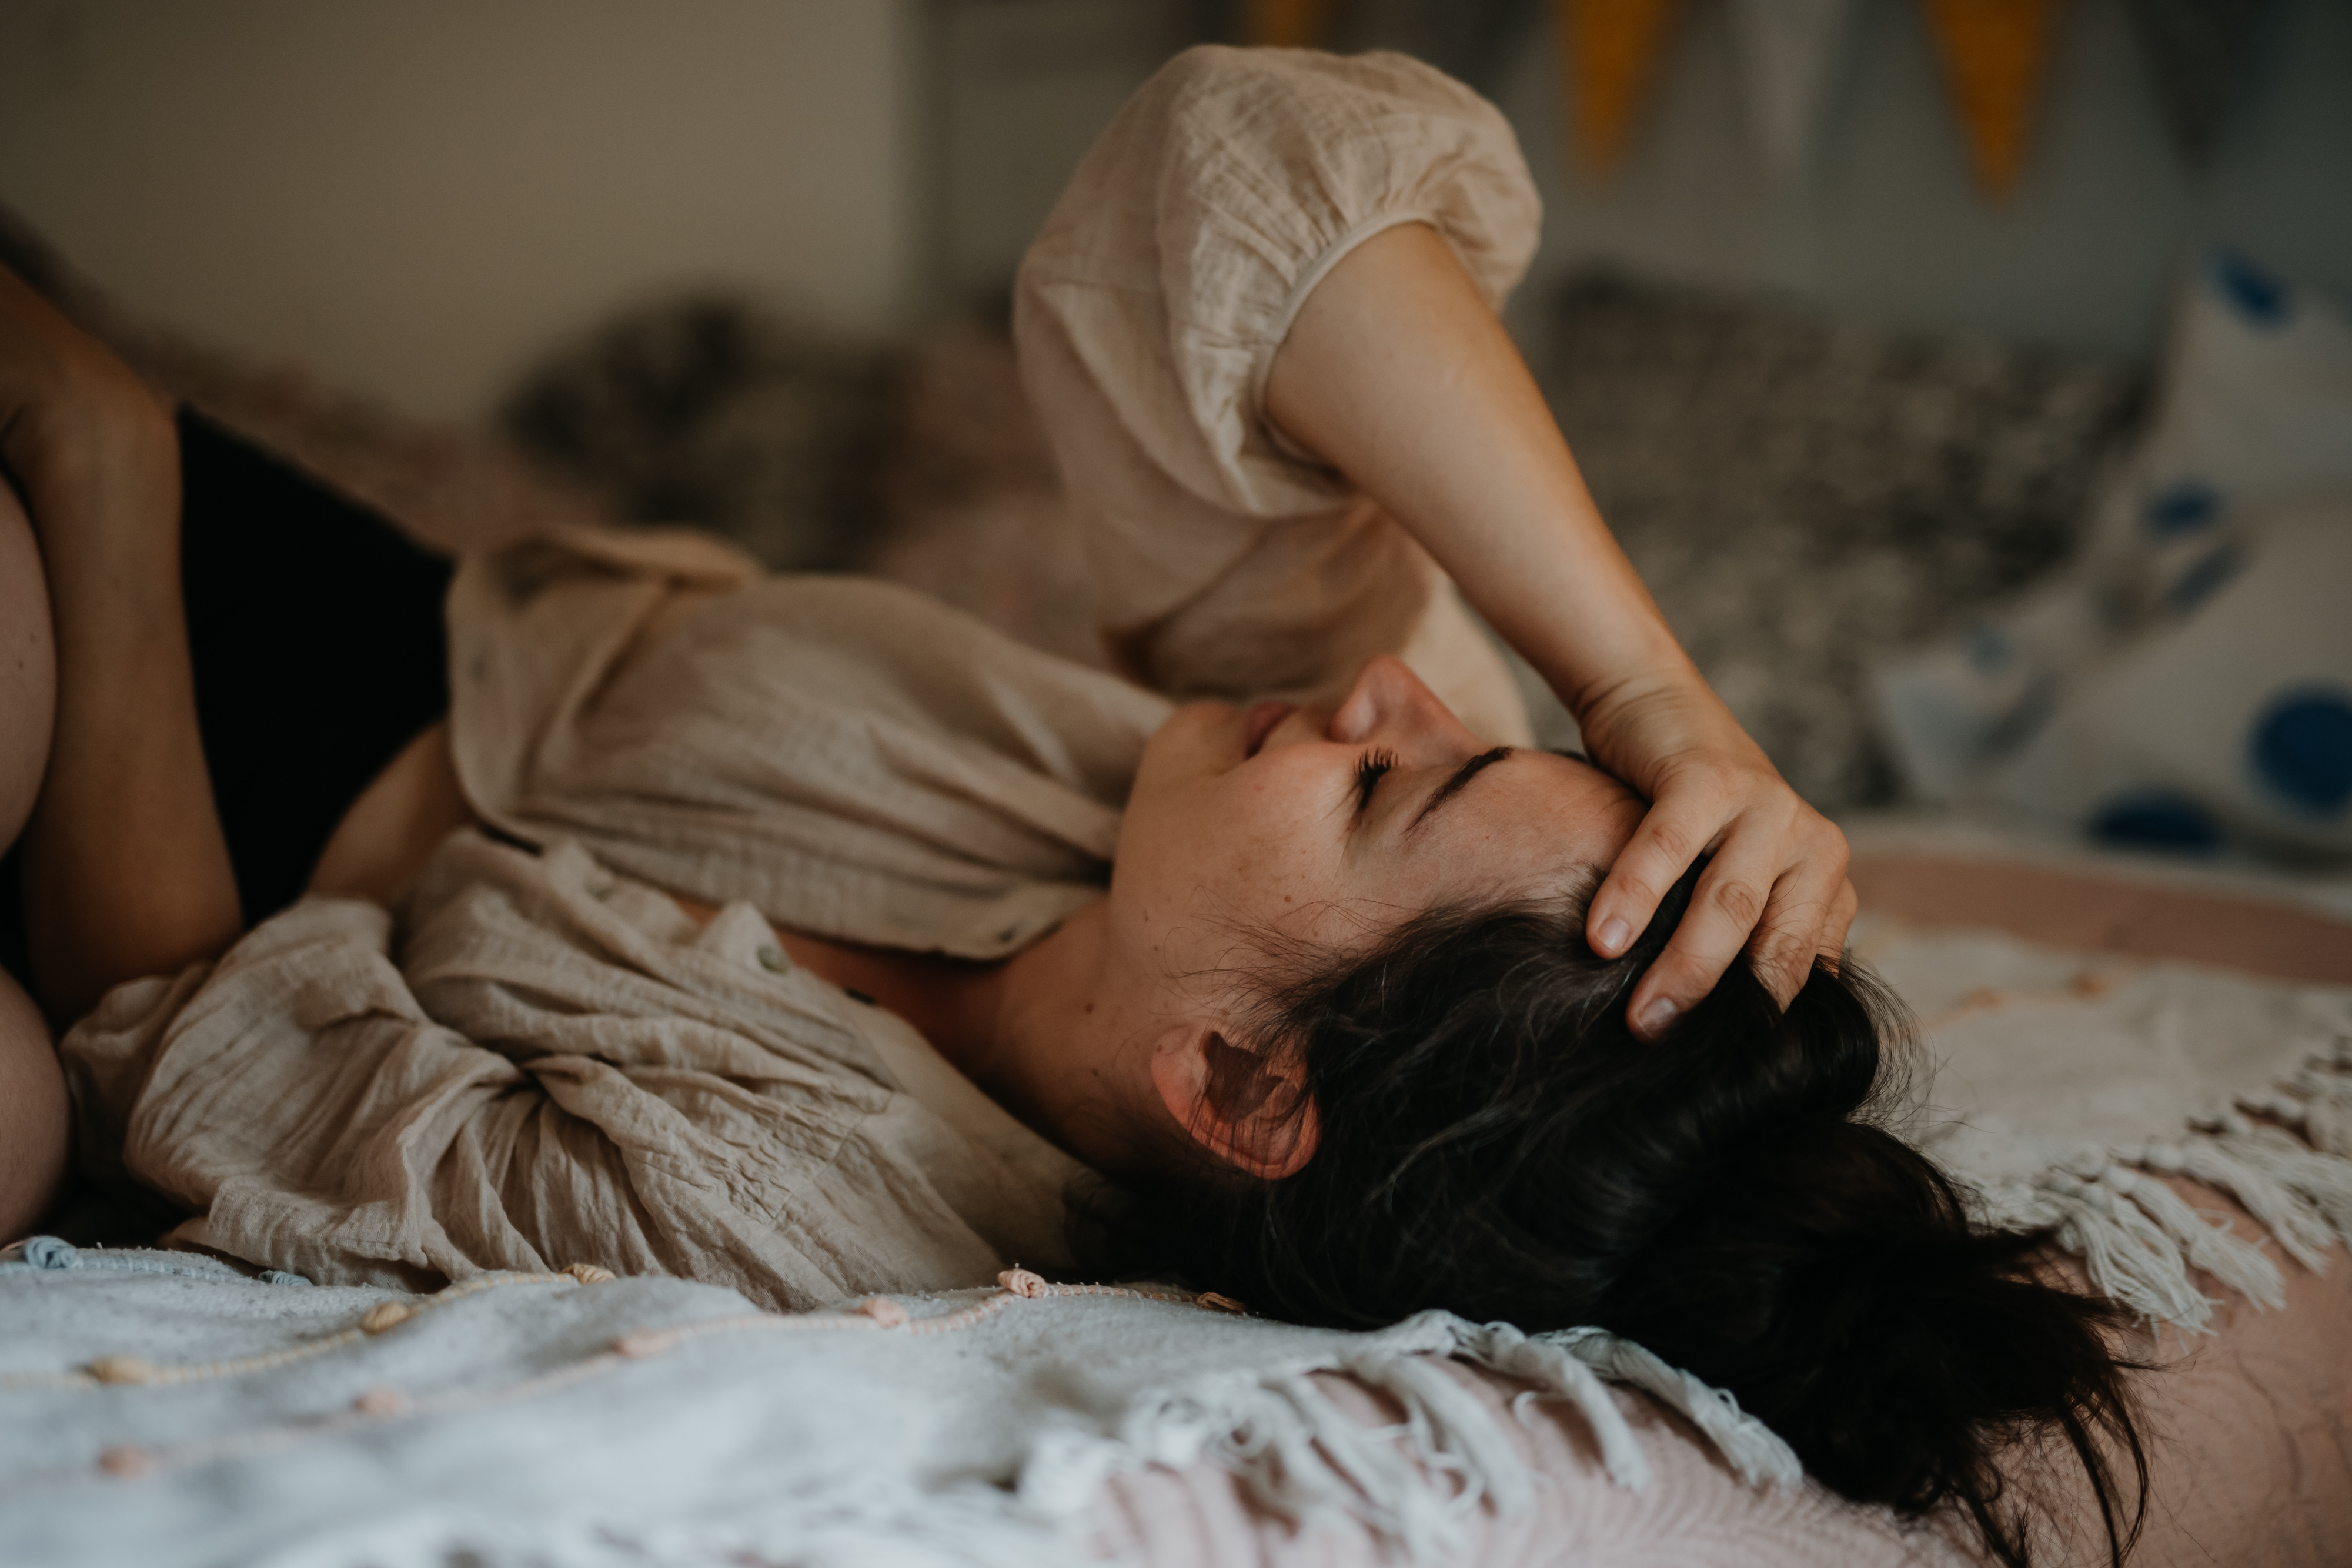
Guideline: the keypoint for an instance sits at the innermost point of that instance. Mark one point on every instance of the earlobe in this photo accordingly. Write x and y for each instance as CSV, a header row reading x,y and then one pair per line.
x,y
1233,1103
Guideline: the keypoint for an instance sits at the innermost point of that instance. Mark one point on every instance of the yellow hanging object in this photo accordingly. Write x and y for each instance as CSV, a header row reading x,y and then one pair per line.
x,y
1608,53
1287,24
1995,55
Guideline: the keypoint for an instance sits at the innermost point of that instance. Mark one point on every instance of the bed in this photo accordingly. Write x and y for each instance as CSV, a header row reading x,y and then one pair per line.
x,y
177,1408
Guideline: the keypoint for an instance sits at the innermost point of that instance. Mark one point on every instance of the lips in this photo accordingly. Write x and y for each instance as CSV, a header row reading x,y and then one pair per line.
x,y
1259,723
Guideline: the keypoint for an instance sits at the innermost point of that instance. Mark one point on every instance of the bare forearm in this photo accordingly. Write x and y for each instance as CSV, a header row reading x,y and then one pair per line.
x,y
1396,373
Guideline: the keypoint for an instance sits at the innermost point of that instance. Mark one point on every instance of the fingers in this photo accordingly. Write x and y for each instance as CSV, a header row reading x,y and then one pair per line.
x,y
1803,918
1843,909
1776,889
1672,833
1732,897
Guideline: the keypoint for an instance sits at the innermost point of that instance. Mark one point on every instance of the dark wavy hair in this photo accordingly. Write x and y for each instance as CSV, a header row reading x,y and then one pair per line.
x,y
1497,1141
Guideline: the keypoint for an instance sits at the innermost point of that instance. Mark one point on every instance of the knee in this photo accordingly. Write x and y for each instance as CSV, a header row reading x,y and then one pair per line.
x,y
34,1113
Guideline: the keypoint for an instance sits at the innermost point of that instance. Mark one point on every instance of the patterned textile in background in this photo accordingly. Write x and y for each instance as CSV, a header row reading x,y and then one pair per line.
x,y
970,506
715,412
919,462
1805,498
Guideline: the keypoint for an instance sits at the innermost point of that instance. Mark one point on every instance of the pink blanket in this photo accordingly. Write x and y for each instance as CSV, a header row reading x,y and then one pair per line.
x,y
2250,1432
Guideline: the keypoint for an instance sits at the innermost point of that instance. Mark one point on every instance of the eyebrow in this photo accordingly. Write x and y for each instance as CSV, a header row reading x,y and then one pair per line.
x,y
1454,785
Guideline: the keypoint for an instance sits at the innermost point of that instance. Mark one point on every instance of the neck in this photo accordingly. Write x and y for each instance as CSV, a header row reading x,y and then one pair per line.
x,y
1050,1050
1039,1033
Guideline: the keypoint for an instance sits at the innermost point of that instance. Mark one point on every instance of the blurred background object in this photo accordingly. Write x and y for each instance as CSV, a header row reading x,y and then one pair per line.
x,y
1855,312
711,408
1806,498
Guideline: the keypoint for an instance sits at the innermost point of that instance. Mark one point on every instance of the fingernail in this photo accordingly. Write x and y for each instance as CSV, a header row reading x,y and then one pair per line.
x,y
1654,1019
1612,936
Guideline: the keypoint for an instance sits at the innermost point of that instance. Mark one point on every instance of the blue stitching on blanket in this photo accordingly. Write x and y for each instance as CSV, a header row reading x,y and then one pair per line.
x,y
52,1254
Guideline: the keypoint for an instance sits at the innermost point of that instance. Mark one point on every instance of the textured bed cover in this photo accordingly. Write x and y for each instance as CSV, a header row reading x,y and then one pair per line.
x,y
2251,1467
165,1408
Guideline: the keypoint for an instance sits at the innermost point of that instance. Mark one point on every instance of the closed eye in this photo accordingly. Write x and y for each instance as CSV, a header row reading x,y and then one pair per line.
x,y
1368,776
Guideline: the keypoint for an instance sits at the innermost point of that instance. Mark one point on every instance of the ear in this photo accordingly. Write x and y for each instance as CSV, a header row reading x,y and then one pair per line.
x,y
1234,1102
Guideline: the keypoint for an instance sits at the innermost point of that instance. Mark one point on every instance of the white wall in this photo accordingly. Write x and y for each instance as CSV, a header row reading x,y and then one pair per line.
x,y
1888,228
414,197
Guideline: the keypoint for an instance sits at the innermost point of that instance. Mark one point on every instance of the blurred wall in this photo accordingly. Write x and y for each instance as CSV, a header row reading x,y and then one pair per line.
x,y
1885,227
1018,89
417,197
414,197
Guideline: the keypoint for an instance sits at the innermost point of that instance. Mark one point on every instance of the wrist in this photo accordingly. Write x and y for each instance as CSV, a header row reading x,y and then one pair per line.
x,y
1639,722
1668,682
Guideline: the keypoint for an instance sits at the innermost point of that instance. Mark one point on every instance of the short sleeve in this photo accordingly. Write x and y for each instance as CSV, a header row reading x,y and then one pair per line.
x,y
1232,182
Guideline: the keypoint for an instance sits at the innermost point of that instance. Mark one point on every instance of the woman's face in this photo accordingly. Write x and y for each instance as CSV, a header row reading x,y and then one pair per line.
x,y
1329,828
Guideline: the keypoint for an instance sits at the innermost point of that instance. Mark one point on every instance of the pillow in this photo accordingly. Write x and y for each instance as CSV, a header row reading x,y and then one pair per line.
x,y
2256,410
1807,497
2189,681
2233,724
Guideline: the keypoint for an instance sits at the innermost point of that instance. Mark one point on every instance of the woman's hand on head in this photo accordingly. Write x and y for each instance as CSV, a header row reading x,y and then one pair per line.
x,y
1776,888
1397,372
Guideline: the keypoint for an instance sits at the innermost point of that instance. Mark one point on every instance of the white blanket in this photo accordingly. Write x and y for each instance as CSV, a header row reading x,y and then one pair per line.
x,y
162,1408
2059,1080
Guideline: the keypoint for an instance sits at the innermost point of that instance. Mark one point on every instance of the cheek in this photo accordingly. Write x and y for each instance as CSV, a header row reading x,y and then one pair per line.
x,y
1236,854
1279,864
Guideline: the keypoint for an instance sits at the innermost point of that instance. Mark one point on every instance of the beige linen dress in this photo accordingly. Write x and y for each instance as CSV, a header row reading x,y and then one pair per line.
x,y
540,1060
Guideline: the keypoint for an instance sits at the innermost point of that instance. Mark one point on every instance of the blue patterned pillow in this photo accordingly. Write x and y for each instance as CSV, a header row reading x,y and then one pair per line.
x,y
2189,682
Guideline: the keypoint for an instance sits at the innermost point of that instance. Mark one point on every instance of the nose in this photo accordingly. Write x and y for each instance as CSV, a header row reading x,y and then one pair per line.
x,y
1390,703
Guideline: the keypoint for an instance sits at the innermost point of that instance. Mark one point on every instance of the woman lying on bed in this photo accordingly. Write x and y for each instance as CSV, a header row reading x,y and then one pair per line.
x,y
799,935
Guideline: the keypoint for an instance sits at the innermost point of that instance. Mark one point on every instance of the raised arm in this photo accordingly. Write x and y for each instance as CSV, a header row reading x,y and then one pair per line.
x,y
1246,273
1396,372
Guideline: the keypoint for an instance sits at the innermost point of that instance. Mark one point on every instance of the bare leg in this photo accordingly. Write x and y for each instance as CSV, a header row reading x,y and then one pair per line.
x,y
126,870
